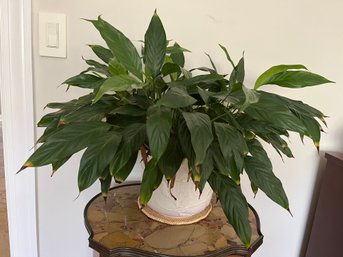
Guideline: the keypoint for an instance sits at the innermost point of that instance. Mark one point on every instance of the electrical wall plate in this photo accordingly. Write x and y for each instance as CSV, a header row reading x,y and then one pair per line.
x,y
53,35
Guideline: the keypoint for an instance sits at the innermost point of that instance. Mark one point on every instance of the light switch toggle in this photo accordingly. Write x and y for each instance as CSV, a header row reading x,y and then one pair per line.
x,y
52,32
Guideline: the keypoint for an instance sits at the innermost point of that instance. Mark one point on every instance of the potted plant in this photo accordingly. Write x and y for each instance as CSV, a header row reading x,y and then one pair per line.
x,y
150,103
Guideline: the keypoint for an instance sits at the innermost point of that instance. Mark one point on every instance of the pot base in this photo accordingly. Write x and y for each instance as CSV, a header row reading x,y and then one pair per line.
x,y
175,220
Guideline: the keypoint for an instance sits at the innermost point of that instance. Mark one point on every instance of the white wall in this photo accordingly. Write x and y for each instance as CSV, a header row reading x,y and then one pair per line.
x,y
270,32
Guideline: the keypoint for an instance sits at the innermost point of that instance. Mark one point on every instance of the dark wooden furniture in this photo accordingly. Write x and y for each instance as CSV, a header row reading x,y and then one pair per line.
x,y
119,228
326,233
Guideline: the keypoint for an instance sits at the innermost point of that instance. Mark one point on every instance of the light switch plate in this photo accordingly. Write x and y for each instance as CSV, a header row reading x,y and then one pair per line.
x,y
53,35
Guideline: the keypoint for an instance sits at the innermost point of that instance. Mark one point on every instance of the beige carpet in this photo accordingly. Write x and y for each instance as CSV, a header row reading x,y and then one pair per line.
x,y
4,244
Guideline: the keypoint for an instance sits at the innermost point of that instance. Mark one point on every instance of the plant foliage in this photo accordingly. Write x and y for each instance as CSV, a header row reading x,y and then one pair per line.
x,y
151,103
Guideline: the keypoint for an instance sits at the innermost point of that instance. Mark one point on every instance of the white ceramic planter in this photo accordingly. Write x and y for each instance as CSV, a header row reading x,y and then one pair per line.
x,y
188,207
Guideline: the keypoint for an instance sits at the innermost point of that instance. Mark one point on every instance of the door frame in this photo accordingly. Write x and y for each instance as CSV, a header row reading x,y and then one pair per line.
x,y
17,107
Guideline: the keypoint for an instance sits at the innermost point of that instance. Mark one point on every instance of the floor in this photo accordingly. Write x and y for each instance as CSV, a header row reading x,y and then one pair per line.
x,y
4,243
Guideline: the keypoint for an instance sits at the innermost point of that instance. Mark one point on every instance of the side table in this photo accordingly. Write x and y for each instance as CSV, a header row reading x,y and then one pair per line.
x,y
119,228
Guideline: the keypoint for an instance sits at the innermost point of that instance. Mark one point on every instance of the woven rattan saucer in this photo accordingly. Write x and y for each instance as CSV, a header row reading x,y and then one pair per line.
x,y
175,220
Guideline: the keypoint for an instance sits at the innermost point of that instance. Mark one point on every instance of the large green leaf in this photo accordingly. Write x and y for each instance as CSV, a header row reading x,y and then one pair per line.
x,y
152,178
297,79
172,158
121,47
260,172
103,53
155,46
234,205
176,97
200,128
116,83
232,143
268,74
121,174
96,158
67,141
206,170
185,141
158,125
85,81
133,137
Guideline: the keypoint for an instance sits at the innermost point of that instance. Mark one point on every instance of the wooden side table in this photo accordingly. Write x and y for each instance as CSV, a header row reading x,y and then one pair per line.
x,y
119,228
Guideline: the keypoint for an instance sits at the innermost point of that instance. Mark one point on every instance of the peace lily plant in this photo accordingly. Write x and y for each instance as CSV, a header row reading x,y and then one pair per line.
x,y
150,103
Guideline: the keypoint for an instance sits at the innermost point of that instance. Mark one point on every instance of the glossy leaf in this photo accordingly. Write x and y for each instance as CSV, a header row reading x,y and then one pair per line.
x,y
158,125
115,68
133,137
176,97
178,56
185,142
121,47
172,158
296,79
232,143
170,68
85,81
155,46
116,83
152,178
268,74
200,128
96,158
122,174
67,141
103,53
259,169
234,205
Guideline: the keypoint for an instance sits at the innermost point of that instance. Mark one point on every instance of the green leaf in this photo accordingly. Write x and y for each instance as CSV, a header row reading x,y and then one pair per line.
x,y
85,81
172,158
122,174
268,74
200,128
105,184
133,137
251,96
115,68
158,125
152,178
206,170
178,56
176,97
117,83
185,141
232,144
67,141
155,46
131,110
121,47
176,48
296,79
205,95
103,53
234,205
238,73
260,172
170,68
96,158
227,55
